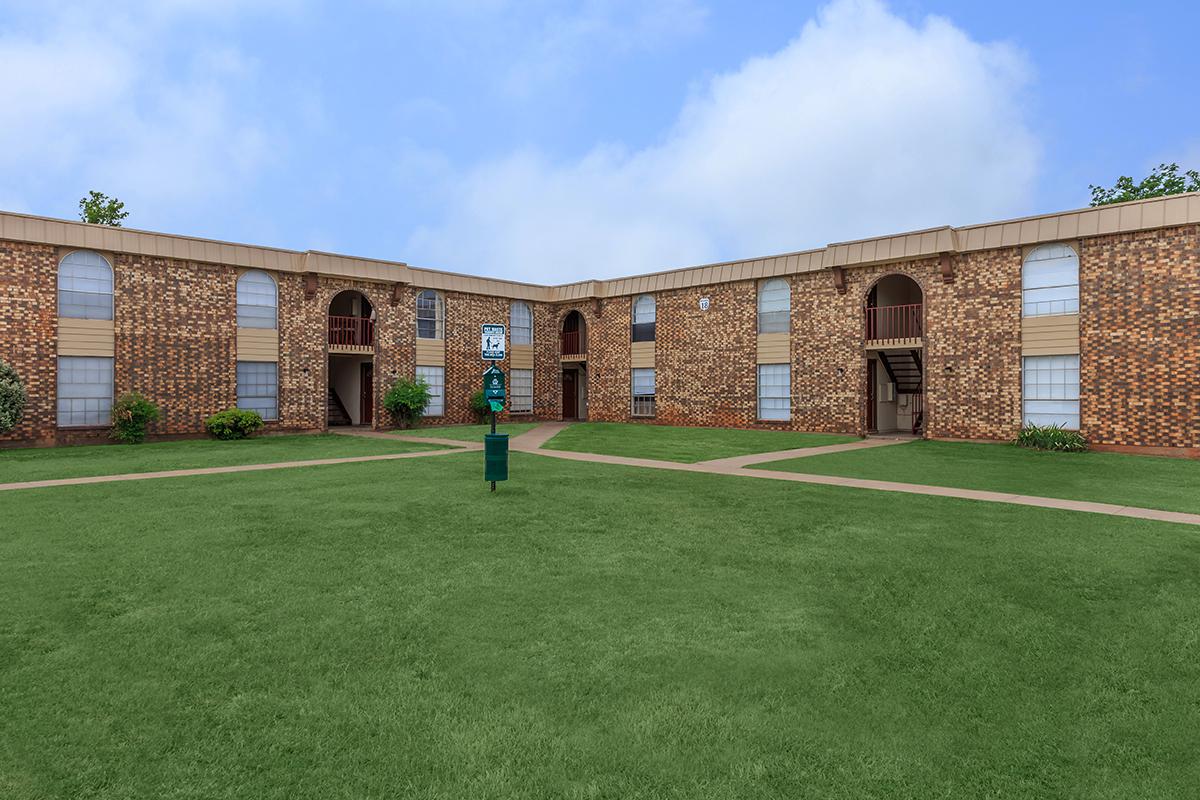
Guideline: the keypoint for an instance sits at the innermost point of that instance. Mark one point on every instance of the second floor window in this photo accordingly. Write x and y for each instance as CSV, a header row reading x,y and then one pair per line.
x,y
520,323
1050,281
774,306
431,315
256,300
644,313
85,286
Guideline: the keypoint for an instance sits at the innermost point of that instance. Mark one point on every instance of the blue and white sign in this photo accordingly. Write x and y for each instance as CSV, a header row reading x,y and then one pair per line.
x,y
493,342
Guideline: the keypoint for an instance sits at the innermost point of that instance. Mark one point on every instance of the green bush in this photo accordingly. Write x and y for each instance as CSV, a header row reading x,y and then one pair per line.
x,y
130,415
479,407
12,398
406,401
1051,437
233,423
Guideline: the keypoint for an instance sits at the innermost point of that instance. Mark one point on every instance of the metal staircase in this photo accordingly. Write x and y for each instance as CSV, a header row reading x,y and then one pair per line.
x,y
903,368
335,412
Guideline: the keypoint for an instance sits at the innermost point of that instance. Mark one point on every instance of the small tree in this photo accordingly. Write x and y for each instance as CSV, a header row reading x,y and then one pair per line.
x,y
1163,180
131,414
406,401
100,209
12,398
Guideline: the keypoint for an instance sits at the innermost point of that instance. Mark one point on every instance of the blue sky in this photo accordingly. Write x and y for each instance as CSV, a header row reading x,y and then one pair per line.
x,y
550,141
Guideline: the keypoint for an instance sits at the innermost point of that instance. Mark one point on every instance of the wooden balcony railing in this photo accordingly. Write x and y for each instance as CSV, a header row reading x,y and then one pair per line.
x,y
351,332
572,343
893,322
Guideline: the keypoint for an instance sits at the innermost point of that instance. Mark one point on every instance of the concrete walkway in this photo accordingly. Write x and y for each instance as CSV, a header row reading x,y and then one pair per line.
x,y
533,440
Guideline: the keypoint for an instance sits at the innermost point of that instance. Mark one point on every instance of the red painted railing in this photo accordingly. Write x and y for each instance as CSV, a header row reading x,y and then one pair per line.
x,y
571,342
893,322
351,331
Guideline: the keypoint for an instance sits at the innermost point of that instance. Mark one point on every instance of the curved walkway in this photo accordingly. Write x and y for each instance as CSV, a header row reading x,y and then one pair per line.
x,y
532,442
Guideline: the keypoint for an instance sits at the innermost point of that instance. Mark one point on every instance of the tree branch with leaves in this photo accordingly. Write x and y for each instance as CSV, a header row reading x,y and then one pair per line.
x,y
1165,179
100,209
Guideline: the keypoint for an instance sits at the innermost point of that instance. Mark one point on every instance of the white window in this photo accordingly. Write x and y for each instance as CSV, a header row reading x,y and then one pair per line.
x,y
436,378
258,388
257,299
774,391
1050,281
644,313
520,323
85,391
431,315
1051,391
774,306
643,393
520,391
85,286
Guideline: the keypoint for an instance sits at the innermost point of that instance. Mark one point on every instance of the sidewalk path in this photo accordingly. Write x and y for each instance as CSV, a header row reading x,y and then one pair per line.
x,y
532,441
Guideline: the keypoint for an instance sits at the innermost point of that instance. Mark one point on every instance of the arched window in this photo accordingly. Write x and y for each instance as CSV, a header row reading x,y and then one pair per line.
x,y
85,286
431,315
774,306
257,300
520,323
1050,281
644,312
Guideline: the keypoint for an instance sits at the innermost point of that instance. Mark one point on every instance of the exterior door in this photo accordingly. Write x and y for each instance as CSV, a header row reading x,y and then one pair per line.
x,y
570,394
871,423
366,399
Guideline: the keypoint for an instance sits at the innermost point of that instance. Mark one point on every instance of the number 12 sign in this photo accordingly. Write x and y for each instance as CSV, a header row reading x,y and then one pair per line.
x,y
493,342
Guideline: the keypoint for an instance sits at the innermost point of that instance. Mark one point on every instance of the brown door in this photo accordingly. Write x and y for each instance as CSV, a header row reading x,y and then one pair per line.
x,y
870,395
366,392
570,395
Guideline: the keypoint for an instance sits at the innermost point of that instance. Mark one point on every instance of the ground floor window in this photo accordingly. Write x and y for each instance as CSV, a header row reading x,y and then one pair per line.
x,y
85,391
436,378
643,393
774,391
258,388
1051,391
521,391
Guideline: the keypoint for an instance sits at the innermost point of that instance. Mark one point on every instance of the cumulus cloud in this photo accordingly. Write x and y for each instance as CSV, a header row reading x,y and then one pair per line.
x,y
863,124
96,106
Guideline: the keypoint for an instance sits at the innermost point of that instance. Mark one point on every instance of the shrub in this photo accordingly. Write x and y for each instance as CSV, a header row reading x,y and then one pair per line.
x,y
1051,437
406,401
233,423
479,406
130,415
12,398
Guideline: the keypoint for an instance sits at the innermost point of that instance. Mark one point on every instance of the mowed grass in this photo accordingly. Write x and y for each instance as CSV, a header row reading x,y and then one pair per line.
x,y
1170,484
467,433
390,629
35,464
688,445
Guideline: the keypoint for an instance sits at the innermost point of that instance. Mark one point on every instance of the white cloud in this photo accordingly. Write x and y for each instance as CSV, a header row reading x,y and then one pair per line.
x,y
104,102
864,124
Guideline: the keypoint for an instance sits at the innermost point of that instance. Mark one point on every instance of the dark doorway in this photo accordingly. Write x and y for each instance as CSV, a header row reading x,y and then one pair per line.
x,y
872,424
570,394
366,392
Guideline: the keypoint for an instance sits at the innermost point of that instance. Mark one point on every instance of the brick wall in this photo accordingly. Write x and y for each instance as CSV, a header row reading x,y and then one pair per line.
x,y
1140,338
28,335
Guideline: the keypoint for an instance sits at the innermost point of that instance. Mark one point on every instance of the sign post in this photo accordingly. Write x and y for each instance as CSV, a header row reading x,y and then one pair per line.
x,y
495,451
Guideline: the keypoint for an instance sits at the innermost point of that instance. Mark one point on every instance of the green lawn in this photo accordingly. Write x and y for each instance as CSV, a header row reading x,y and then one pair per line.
x,y
389,629
36,464
689,445
1170,484
468,433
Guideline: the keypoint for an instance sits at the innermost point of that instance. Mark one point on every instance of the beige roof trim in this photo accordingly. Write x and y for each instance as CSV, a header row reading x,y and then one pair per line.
x,y
1160,212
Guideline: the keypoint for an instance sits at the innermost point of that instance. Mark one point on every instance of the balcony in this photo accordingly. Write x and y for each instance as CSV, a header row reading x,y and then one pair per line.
x,y
894,326
351,334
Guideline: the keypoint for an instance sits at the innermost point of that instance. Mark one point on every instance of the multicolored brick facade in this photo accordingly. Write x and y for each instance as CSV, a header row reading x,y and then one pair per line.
x,y
175,331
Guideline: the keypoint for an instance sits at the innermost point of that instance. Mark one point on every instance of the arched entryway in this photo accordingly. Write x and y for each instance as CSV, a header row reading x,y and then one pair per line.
x,y
350,333
573,350
894,343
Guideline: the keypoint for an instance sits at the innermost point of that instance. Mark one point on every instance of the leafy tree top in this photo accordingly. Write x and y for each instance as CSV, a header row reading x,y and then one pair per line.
x,y
100,209
1163,180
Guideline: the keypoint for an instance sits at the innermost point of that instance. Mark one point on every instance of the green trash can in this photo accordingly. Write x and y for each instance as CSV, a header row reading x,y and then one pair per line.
x,y
495,456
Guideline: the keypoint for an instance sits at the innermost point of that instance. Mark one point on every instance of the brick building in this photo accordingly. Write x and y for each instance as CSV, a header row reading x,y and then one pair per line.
x,y
1090,319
